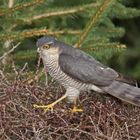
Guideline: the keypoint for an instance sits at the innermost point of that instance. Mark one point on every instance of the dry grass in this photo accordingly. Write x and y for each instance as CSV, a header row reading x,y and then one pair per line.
x,y
104,118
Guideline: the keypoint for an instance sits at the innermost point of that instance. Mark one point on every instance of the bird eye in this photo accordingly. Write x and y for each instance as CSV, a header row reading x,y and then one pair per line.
x,y
46,46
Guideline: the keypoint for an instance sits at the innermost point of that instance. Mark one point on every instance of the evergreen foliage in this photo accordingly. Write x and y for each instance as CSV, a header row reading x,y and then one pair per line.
x,y
84,24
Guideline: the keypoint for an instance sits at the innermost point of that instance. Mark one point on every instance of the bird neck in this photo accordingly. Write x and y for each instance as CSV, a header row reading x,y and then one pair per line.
x,y
50,60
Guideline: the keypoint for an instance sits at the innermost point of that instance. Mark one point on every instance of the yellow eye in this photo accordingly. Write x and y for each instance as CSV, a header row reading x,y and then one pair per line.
x,y
46,46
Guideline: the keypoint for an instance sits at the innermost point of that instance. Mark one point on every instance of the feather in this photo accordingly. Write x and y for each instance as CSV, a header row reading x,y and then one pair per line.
x,y
124,92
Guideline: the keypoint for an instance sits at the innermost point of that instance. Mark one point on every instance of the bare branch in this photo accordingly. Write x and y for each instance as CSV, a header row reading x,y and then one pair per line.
x,y
10,51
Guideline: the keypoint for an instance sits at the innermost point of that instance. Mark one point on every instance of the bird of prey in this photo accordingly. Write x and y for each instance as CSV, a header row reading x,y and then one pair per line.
x,y
78,71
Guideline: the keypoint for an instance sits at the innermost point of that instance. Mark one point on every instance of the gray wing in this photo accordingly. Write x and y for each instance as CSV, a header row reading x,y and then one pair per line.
x,y
86,70
69,50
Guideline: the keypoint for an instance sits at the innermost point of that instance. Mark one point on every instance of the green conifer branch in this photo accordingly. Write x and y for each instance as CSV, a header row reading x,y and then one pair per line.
x,y
61,32
61,12
31,33
109,32
24,34
94,19
113,45
126,12
103,36
20,6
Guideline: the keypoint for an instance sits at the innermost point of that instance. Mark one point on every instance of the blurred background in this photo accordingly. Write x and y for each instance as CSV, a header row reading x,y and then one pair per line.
x,y
129,62
115,27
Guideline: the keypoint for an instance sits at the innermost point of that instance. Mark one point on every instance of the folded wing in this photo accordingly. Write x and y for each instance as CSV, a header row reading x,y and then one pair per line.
x,y
86,71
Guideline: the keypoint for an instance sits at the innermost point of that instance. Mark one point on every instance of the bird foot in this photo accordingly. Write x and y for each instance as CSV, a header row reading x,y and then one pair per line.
x,y
45,107
50,106
75,109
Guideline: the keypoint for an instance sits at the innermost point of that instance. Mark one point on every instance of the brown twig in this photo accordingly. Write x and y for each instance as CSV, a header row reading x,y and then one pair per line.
x,y
102,119
10,51
60,13
18,7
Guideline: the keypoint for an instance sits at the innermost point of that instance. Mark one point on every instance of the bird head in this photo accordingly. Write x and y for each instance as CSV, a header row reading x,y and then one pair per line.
x,y
47,46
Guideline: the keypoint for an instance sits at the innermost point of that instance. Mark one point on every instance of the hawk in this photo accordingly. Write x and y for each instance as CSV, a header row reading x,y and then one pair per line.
x,y
77,71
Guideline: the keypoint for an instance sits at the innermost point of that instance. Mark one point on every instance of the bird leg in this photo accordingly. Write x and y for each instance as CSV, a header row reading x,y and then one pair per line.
x,y
75,109
50,106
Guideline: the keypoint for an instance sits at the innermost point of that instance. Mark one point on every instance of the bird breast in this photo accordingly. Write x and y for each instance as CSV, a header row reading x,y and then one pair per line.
x,y
52,65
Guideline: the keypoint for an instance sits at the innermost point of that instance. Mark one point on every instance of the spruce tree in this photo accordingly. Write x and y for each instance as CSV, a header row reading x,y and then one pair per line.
x,y
87,25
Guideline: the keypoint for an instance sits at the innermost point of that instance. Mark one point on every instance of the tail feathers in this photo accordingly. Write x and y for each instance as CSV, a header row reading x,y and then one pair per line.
x,y
124,92
126,79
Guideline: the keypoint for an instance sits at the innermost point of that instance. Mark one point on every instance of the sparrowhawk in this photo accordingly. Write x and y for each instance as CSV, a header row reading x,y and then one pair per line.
x,y
78,71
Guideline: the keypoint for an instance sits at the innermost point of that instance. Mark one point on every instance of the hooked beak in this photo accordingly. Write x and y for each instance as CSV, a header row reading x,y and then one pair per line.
x,y
38,50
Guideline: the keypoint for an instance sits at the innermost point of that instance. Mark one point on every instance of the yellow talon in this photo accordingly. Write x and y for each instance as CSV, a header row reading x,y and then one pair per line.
x,y
45,107
75,109
50,106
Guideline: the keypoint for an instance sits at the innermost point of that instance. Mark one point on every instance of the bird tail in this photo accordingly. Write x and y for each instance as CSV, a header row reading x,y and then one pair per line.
x,y
124,92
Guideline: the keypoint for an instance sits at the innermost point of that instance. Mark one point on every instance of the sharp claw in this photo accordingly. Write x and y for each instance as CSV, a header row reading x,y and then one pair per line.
x,y
74,110
50,106
36,106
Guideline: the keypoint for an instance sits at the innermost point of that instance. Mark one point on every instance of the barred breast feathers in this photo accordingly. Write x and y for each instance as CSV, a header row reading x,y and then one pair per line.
x,y
55,71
